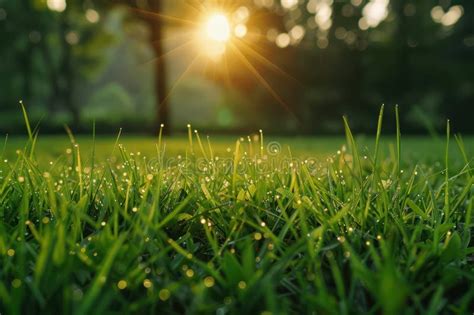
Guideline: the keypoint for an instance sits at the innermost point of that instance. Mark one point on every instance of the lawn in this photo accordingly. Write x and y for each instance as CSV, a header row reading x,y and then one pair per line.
x,y
182,225
415,148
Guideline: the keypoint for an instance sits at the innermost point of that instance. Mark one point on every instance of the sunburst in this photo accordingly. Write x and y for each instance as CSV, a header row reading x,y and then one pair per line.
x,y
213,32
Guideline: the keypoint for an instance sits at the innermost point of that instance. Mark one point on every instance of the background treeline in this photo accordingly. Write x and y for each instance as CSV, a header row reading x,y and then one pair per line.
x,y
74,62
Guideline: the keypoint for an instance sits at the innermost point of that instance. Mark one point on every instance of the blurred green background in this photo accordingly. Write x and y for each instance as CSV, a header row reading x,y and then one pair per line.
x,y
291,67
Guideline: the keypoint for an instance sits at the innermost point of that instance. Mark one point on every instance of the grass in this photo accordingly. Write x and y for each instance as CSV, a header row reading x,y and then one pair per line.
x,y
185,226
416,148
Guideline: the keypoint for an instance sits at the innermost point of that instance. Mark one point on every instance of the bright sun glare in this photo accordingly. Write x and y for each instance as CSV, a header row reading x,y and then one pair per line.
x,y
218,28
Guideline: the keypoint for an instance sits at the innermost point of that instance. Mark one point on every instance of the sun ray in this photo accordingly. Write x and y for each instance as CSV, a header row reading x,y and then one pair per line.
x,y
227,72
197,7
262,80
219,33
267,62
175,37
161,16
205,67
261,17
212,6
169,52
179,79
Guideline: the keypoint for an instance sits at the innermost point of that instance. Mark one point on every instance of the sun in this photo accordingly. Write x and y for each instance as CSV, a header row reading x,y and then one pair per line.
x,y
217,27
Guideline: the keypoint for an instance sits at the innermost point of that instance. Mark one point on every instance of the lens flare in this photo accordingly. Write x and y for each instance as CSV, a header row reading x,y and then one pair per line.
x,y
218,28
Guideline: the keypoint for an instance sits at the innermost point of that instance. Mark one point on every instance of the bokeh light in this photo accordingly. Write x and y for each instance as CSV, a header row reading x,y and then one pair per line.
x,y
449,17
92,16
375,12
289,4
283,40
240,30
56,5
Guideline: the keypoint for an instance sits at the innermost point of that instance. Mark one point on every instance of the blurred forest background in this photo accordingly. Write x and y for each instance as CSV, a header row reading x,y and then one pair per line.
x,y
297,65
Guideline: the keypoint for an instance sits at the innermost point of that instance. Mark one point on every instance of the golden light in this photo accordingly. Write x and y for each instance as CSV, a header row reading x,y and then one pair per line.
x,y
240,30
218,28
283,40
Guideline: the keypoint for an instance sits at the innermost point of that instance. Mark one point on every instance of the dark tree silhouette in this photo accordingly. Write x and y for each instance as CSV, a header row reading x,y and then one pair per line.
x,y
150,13
156,26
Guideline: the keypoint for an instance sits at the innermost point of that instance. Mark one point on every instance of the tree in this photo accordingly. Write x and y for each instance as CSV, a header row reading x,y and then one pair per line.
x,y
351,56
156,26
56,47
150,11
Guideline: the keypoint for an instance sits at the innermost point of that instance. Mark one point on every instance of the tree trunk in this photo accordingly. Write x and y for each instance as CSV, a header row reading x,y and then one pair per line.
x,y
66,70
162,106
403,67
27,57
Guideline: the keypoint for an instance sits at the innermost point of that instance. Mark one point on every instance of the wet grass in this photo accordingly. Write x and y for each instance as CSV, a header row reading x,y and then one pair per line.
x,y
187,225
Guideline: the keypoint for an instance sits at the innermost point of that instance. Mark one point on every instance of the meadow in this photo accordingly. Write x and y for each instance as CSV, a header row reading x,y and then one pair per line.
x,y
229,225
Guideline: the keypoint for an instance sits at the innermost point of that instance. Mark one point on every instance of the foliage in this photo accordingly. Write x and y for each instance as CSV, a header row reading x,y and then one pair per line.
x,y
335,68
52,54
343,68
254,231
